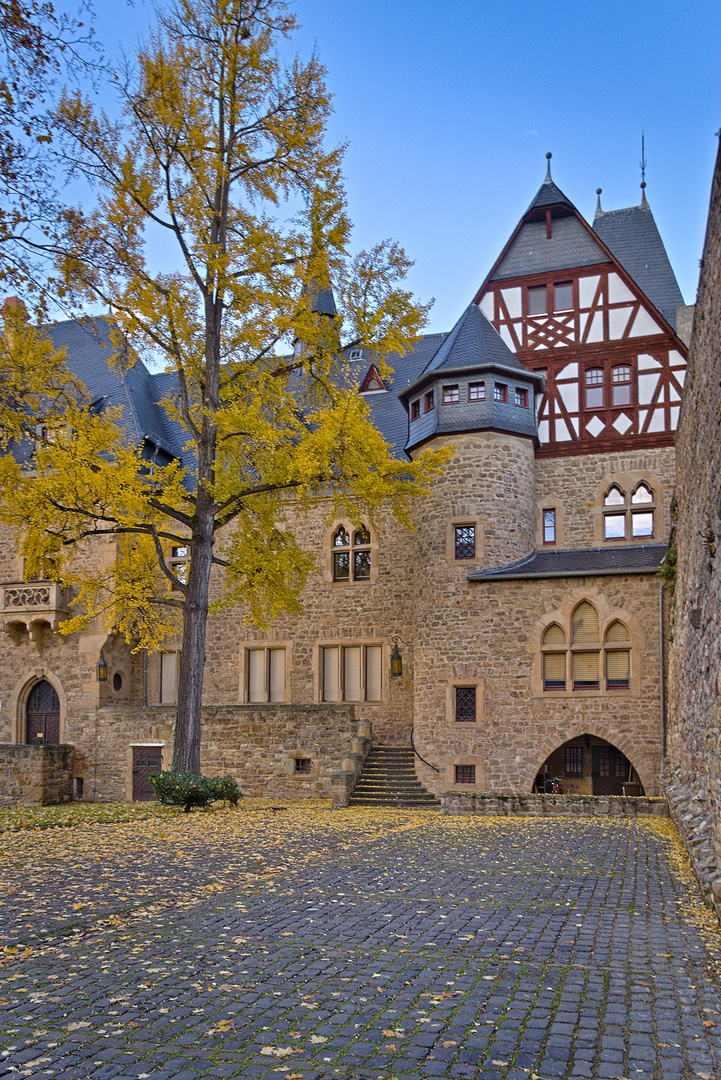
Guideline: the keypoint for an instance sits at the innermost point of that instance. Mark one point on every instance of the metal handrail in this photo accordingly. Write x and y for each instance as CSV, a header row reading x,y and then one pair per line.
x,y
413,745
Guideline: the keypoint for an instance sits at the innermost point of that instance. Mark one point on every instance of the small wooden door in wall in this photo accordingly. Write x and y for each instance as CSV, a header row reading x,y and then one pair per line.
x,y
42,715
146,760
609,770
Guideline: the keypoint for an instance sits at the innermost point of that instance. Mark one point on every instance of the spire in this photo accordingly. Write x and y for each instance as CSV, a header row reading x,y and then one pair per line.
x,y
599,211
548,179
642,163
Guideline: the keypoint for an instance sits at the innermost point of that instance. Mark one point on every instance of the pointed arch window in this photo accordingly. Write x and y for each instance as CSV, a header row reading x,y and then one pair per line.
x,y
625,518
351,554
585,647
554,658
617,648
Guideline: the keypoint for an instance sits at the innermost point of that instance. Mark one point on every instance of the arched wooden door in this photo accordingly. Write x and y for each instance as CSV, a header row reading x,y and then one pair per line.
x,y
42,715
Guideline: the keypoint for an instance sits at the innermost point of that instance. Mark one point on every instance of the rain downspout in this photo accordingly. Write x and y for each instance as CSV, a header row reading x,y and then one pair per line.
x,y
661,661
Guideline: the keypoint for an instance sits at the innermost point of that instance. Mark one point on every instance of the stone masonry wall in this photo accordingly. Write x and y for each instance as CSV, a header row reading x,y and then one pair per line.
x,y
693,768
36,775
256,744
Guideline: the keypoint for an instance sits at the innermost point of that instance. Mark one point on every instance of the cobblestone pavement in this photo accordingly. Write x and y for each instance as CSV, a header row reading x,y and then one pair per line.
x,y
365,946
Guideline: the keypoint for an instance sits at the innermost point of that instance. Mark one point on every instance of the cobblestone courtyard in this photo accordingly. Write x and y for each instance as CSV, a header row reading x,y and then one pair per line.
x,y
305,943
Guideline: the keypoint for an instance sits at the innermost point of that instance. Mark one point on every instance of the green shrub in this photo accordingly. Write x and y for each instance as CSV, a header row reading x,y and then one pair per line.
x,y
192,789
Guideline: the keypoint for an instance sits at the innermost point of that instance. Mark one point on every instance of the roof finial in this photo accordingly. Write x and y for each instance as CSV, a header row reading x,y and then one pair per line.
x,y
642,163
548,180
598,201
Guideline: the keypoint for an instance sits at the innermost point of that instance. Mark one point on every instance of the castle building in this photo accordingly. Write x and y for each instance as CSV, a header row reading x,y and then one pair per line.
x,y
515,638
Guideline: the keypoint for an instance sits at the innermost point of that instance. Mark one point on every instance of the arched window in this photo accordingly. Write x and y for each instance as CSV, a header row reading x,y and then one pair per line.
x,y
351,560
621,385
594,388
618,657
554,658
625,518
585,647
578,648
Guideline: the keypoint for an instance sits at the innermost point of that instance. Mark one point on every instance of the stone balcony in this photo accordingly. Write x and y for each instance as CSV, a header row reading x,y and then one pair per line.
x,y
29,608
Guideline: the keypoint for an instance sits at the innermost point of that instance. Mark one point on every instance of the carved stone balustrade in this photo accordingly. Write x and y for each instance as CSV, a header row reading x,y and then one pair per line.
x,y
31,607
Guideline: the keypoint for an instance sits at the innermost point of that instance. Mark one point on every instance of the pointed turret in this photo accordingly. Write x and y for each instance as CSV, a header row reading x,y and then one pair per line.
x,y
472,383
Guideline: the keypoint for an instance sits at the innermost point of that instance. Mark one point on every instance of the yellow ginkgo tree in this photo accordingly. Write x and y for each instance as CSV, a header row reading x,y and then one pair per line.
x,y
217,168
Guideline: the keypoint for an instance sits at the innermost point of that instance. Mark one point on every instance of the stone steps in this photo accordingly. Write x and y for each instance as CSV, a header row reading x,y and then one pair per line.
x,y
389,779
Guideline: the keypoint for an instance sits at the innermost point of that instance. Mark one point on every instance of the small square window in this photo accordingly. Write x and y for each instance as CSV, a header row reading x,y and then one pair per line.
x,y
549,526
450,395
303,765
574,761
538,300
563,297
465,774
476,391
465,541
415,409
465,704
500,392
428,402
522,398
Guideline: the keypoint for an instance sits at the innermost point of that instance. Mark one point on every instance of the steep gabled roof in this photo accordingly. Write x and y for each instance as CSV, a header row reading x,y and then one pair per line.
x,y
548,195
571,244
633,238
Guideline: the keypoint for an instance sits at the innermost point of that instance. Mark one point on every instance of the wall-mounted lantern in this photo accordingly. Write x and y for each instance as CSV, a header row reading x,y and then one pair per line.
x,y
396,657
101,669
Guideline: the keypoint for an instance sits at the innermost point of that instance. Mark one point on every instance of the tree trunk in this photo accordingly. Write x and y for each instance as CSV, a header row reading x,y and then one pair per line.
x,y
186,751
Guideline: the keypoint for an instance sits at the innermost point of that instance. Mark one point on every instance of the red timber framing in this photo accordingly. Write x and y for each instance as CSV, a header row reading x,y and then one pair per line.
x,y
614,367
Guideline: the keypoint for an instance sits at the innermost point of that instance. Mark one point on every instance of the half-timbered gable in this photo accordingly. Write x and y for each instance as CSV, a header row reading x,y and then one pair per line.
x,y
593,310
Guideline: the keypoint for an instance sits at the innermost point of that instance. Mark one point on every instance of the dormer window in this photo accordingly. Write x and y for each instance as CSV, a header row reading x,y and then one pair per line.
x,y
415,409
428,402
451,395
522,398
500,392
355,354
476,391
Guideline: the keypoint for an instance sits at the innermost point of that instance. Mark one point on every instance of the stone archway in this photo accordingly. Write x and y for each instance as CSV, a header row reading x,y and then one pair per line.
x,y
590,764
42,715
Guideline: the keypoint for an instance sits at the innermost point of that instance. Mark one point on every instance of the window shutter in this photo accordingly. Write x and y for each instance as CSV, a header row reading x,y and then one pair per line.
x,y
168,677
374,669
331,674
585,670
554,671
554,635
618,668
585,623
256,675
277,674
617,632
352,689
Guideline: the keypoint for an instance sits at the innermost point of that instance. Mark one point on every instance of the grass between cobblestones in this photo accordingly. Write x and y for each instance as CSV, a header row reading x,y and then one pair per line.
x,y
288,940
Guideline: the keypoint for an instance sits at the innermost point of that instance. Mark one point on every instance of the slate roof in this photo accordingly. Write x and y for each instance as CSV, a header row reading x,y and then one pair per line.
x,y
532,252
473,341
633,237
548,195
387,412
630,559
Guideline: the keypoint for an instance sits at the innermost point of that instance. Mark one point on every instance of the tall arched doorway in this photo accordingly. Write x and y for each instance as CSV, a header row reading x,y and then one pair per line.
x,y
588,765
42,715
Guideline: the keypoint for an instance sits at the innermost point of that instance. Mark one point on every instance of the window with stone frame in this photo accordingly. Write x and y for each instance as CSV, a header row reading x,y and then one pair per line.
x,y
303,766
549,525
627,517
465,774
168,678
351,672
464,541
265,674
553,647
351,554
617,649
179,562
582,650
465,704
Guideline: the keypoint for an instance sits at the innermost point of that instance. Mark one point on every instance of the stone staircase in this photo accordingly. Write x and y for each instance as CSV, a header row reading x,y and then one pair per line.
x,y
389,779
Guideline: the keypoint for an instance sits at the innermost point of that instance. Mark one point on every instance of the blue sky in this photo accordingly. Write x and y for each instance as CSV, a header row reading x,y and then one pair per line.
x,y
449,109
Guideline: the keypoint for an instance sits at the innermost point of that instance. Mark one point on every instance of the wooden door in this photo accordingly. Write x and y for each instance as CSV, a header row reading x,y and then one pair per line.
x,y
146,760
610,769
42,716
